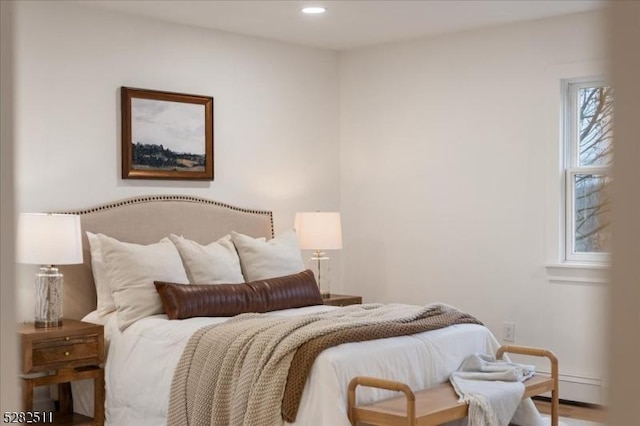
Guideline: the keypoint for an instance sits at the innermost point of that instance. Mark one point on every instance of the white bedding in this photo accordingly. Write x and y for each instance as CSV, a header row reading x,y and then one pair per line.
x,y
141,361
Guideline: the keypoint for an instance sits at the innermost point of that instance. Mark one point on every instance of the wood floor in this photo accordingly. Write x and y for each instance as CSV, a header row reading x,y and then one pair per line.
x,y
589,413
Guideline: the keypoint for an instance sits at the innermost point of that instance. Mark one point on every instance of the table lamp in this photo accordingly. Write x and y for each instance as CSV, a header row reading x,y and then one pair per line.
x,y
320,231
48,240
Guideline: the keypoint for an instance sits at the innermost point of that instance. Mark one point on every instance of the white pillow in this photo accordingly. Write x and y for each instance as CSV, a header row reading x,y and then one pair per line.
x,y
132,269
215,263
262,259
105,303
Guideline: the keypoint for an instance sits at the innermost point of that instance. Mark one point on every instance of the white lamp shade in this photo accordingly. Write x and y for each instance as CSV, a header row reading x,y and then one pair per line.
x,y
49,239
319,230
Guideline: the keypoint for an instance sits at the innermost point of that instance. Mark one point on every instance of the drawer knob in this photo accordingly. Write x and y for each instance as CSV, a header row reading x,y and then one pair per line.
x,y
66,338
66,354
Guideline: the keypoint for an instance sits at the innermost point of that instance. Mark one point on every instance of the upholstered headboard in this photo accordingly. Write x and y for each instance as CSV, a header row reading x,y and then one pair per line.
x,y
146,220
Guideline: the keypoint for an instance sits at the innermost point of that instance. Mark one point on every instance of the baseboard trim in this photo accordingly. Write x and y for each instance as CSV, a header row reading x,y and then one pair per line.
x,y
580,389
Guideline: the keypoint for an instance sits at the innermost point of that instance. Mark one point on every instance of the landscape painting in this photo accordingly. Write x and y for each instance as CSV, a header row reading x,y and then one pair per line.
x,y
166,135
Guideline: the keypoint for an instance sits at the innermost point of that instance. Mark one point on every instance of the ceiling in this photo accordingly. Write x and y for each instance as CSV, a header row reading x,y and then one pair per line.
x,y
346,24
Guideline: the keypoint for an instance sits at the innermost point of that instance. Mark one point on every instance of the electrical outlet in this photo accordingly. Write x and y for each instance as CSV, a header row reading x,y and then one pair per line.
x,y
509,331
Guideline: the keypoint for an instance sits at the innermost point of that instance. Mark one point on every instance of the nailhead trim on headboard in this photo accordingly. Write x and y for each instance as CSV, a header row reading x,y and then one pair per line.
x,y
154,198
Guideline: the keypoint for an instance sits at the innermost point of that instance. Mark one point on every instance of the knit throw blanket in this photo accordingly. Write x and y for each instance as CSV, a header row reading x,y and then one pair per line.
x,y
251,369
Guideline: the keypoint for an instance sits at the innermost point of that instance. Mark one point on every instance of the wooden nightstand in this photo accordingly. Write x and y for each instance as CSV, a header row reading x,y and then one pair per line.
x,y
71,352
342,300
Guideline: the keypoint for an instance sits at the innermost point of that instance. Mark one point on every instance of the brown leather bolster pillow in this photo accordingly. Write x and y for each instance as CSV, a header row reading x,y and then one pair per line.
x,y
290,291
182,301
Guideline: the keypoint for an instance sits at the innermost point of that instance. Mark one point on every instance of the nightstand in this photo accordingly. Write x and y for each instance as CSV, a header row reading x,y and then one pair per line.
x,y
342,300
71,352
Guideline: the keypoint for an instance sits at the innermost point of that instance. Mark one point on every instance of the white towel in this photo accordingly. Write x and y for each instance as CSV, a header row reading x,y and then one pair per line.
x,y
493,389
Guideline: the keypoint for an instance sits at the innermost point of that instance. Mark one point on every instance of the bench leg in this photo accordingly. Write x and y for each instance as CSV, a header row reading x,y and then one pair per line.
x,y
555,407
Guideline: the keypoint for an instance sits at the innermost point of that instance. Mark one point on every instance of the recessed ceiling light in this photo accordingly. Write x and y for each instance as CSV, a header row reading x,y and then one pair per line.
x,y
314,10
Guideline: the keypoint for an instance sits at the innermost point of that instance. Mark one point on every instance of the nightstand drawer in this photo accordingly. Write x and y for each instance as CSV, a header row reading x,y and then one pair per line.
x,y
56,351
65,341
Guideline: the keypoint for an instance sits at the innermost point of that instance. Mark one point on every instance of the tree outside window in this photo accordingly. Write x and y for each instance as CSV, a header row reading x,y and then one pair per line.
x,y
589,157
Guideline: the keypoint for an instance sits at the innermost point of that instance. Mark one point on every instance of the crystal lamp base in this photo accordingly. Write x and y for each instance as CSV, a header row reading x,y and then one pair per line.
x,y
319,264
48,302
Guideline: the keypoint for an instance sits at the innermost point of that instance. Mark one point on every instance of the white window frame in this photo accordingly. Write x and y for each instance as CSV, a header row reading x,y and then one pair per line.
x,y
570,88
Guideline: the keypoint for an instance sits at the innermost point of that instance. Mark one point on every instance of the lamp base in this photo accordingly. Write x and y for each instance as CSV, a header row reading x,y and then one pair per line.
x,y
319,264
48,301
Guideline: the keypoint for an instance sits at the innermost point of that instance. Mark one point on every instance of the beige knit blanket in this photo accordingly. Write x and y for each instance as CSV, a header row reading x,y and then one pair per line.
x,y
235,373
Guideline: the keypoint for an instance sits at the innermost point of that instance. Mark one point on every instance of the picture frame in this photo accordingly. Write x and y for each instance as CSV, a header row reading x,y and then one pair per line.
x,y
166,135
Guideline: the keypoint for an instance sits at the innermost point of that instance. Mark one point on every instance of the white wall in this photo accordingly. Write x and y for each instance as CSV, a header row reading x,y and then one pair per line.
x,y
276,119
451,182
276,123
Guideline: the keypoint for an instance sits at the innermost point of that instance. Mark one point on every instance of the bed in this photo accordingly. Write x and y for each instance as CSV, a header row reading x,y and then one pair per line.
x,y
142,358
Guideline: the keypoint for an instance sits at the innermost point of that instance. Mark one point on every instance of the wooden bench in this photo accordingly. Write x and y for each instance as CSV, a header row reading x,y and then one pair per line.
x,y
439,404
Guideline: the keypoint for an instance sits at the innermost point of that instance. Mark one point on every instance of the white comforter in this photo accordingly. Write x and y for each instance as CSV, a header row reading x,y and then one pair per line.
x,y
141,361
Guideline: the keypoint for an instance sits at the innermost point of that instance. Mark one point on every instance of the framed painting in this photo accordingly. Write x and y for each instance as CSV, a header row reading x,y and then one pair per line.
x,y
166,135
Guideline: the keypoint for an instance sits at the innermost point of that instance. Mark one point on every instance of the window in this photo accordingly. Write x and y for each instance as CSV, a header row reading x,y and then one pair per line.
x,y
588,159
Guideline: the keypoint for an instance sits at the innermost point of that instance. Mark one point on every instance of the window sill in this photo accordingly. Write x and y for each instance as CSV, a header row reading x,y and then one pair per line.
x,y
578,273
